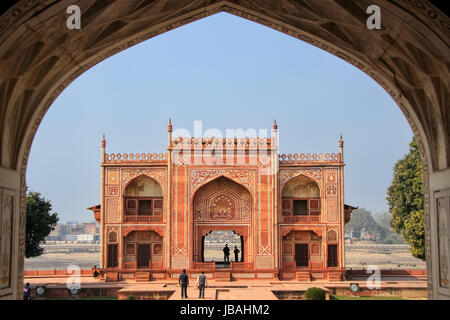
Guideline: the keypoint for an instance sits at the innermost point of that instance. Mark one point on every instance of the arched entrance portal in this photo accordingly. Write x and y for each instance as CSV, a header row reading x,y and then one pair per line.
x,y
222,206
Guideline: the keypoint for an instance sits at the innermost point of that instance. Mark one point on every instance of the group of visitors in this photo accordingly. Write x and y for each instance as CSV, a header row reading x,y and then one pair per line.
x,y
183,280
226,254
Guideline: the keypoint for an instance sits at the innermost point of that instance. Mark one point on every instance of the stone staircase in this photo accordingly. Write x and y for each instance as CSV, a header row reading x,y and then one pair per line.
x,y
223,276
334,276
142,276
303,276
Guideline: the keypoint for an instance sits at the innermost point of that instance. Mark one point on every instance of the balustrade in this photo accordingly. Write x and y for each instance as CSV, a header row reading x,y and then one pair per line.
x,y
241,265
301,219
129,265
205,265
143,218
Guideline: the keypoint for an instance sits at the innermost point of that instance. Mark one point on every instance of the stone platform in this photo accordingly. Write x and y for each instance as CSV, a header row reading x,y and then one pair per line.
x,y
168,289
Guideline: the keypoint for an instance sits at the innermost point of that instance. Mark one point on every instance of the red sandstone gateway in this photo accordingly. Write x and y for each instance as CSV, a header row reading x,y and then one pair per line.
x,y
288,210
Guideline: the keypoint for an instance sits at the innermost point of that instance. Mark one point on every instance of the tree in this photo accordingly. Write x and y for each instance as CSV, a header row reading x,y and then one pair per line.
x,y
405,200
39,223
362,219
388,235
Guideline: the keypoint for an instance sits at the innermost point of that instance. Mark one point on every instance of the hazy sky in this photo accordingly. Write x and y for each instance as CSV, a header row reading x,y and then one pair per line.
x,y
229,73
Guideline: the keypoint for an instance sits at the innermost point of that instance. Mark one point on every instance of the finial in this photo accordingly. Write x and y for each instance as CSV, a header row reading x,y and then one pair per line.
x,y
340,137
169,126
275,126
103,141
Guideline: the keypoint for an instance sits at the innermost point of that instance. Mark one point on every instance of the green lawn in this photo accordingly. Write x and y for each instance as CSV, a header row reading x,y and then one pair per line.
x,y
365,298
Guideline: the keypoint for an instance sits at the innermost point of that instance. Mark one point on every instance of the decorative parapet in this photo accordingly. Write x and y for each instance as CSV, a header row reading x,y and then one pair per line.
x,y
134,157
296,158
213,143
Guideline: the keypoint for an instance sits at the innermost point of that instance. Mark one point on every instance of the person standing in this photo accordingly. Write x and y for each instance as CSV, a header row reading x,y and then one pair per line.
x,y
201,284
27,292
183,280
226,254
95,271
236,254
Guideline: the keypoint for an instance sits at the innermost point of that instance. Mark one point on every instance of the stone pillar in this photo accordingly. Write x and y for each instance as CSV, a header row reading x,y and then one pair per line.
x,y
102,206
12,234
276,195
168,201
438,263
341,236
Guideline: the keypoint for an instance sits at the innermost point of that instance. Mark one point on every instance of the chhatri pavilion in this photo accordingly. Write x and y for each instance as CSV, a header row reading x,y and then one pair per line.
x,y
287,210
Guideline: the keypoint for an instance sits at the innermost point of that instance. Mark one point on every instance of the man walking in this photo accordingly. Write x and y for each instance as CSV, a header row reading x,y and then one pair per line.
x,y
236,254
183,280
201,284
226,254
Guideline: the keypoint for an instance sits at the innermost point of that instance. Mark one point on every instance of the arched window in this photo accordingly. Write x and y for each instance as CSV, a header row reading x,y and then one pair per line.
x,y
112,237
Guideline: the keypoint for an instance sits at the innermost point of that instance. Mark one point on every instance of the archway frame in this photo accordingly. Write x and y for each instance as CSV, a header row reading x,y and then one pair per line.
x,y
417,79
244,229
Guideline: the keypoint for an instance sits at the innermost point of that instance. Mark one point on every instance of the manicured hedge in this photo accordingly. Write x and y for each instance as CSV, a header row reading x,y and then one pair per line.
x,y
315,294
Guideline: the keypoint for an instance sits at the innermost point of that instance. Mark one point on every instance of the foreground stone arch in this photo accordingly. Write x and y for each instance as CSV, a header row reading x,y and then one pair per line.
x,y
39,57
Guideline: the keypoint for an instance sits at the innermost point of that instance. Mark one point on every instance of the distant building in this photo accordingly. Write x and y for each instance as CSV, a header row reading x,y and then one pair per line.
x,y
82,238
90,227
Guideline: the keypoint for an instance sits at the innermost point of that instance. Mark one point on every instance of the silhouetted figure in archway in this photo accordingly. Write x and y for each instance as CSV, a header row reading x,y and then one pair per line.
x,y
236,254
226,254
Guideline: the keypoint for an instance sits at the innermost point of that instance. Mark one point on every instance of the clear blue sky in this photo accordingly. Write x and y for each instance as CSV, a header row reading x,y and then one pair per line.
x,y
229,73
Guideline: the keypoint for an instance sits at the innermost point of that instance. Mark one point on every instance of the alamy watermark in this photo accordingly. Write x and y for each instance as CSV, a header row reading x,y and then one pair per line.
x,y
234,147
73,282
372,22
374,280
74,20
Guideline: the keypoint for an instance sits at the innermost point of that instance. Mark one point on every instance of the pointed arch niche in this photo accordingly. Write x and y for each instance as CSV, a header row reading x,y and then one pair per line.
x,y
301,200
222,205
143,200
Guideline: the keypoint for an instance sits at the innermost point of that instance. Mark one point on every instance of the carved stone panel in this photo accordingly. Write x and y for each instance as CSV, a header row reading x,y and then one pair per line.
x,y
287,174
264,262
113,176
112,210
180,262
332,211
159,174
6,237
222,200
443,219
246,177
